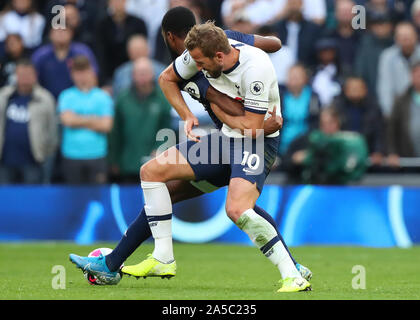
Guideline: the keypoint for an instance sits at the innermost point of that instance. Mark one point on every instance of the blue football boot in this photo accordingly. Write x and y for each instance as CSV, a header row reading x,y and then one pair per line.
x,y
97,267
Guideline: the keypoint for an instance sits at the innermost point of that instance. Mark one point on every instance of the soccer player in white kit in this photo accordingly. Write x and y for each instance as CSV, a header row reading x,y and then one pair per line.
x,y
244,73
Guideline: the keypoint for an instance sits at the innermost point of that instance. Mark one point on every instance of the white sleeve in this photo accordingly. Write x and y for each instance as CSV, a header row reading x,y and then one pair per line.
x,y
185,66
256,90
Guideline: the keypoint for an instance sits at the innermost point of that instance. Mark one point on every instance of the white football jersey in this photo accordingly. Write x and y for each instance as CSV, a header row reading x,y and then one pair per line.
x,y
251,80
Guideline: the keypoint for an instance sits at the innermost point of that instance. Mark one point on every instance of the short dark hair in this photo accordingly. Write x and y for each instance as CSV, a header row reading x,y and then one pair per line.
x,y
24,62
178,20
209,38
333,112
80,63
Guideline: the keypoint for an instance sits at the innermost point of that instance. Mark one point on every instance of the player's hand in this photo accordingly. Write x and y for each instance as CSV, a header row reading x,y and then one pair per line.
x,y
189,124
299,156
273,123
393,160
376,158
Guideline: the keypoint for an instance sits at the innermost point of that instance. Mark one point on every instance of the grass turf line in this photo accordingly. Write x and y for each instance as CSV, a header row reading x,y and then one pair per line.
x,y
213,271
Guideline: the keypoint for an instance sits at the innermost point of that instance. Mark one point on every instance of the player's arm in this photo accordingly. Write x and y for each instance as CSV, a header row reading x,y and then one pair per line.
x,y
226,104
168,82
250,124
256,102
271,124
234,107
269,44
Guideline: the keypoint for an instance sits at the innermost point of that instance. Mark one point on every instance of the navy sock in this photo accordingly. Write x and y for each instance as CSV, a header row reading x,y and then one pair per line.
x,y
270,219
139,231
136,234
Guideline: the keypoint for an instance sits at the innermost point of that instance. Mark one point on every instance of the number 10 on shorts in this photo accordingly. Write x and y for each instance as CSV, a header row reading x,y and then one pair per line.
x,y
251,160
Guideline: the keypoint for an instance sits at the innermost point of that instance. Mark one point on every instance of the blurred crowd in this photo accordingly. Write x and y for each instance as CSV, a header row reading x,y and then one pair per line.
x,y
81,104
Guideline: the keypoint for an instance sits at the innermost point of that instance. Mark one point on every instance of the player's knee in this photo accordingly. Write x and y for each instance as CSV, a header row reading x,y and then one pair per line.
x,y
151,171
233,211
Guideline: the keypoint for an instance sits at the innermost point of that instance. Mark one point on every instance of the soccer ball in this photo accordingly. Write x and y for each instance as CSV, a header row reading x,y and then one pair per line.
x,y
93,280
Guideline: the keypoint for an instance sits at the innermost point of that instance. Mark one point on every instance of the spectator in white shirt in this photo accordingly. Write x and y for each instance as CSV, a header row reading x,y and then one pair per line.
x,y
325,81
25,21
282,60
262,12
152,12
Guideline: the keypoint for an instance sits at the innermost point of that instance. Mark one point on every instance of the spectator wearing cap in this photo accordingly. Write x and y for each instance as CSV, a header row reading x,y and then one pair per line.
x,y
403,128
112,34
14,52
360,112
52,61
24,20
326,79
394,75
299,34
373,43
86,114
28,127
346,37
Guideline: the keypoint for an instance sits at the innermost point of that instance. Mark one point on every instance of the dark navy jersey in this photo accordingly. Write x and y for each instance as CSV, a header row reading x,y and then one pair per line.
x,y
198,85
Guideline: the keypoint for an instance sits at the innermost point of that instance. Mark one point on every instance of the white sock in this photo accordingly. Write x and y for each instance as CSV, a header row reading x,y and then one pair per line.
x,y
158,207
265,237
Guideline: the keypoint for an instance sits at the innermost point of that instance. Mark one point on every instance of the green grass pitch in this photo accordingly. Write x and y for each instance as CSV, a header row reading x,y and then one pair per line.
x,y
210,271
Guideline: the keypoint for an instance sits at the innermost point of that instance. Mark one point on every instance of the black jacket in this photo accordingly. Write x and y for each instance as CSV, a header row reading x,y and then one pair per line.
x,y
372,125
309,33
398,133
111,42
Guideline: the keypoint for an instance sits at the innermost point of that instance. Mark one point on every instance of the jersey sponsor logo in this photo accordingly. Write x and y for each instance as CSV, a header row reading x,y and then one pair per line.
x,y
192,89
251,103
269,252
18,113
257,88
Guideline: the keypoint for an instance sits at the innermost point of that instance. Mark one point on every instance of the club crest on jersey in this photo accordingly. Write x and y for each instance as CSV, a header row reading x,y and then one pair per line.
x,y
237,88
257,87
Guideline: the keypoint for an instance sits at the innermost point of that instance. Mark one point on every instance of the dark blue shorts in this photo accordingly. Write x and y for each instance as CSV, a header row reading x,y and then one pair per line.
x,y
216,159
